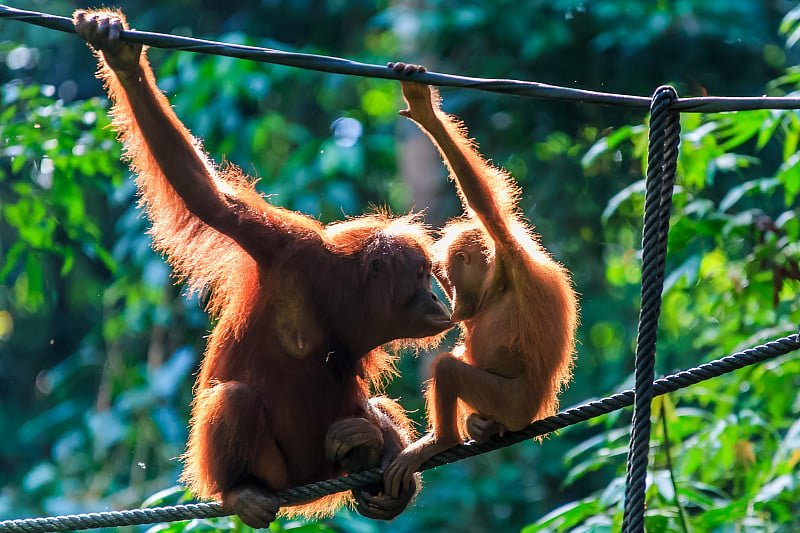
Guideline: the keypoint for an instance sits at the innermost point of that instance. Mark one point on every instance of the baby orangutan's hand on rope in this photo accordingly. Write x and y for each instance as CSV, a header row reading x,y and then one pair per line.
x,y
420,97
102,30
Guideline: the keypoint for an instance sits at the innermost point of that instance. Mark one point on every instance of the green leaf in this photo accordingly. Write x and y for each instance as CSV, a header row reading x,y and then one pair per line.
x,y
15,254
17,163
789,20
636,188
768,128
68,256
773,490
104,255
167,495
742,129
737,193
688,269
566,516
35,280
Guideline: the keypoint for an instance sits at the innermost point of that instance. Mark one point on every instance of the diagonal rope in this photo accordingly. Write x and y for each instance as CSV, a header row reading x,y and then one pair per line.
x,y
344,66
574,415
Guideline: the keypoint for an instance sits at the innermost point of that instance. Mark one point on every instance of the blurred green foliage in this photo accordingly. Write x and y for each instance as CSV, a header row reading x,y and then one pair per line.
x,y
98,347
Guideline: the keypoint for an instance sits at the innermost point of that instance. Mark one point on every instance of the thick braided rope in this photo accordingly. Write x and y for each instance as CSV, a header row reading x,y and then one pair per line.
x,y
344,66
312,491
661,164
115,518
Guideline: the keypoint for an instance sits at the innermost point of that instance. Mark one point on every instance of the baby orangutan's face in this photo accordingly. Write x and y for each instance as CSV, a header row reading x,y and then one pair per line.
x,y
467,270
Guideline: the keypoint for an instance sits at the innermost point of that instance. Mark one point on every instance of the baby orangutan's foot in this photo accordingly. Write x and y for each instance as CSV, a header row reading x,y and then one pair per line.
x,y
482,429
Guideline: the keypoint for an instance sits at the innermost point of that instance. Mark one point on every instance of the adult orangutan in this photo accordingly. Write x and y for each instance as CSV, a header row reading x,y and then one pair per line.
x,y
283,396
515,304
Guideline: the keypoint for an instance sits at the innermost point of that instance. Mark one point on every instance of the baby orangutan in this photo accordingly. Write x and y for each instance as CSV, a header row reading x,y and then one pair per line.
x,y
516,305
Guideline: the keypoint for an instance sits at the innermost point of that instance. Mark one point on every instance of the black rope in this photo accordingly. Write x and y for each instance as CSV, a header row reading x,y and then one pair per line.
x,y
131,517
343,66
661,164
574,415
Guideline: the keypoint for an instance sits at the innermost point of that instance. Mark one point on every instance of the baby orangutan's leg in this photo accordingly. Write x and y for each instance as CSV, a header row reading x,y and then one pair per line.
x,y
493,397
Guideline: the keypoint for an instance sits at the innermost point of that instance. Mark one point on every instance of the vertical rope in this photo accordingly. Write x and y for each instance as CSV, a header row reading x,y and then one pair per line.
x,y
661,165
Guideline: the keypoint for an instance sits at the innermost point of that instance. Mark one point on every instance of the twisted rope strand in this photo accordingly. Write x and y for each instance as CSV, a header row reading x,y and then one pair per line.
x,y
574,415
343,66
661,164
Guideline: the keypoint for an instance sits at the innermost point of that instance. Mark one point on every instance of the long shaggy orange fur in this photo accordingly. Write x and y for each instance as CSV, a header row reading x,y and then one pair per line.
x,y
249,390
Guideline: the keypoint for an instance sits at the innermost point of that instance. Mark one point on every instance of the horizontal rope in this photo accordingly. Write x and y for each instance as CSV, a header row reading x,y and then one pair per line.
x,y
344,66
319,489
